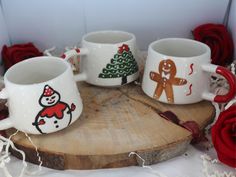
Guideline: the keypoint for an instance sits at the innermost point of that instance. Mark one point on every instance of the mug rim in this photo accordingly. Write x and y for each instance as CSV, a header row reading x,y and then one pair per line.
x,y
207,48
12,68
131,35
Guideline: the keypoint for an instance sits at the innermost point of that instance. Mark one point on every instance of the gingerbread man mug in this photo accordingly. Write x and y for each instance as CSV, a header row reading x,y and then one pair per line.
x,y
177,71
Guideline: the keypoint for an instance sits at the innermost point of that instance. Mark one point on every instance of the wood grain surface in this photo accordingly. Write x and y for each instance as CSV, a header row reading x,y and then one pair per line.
x,y
115,122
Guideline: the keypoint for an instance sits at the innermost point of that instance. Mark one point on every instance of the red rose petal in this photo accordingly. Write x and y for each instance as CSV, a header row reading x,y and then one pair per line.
x,y
223,136
227,139
233,130
191,126
194,128
219,40
7,62
228,160
18,52
168,115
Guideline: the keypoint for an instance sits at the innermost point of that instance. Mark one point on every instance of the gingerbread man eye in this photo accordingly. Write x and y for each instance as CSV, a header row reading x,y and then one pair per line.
x,y
169,65
165,64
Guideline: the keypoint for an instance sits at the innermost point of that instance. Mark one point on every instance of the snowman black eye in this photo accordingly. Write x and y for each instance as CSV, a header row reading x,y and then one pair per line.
x,y
53,97
47,99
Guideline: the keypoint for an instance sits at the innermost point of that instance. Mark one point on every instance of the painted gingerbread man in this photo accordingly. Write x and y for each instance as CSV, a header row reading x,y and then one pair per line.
x,y
166,79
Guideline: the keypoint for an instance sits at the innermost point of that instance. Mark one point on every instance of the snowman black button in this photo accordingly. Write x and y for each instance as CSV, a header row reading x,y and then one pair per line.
x,y
55,122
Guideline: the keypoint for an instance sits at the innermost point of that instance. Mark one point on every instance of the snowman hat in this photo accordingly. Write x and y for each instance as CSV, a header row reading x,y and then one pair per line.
x,y
48,91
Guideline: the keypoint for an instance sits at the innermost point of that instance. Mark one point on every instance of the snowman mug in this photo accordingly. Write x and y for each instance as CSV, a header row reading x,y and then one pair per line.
x,y
42,96
107,58
177,71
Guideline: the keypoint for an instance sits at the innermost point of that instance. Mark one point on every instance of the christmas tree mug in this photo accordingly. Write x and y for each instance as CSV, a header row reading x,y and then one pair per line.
x,y
42,96
107,58
177,71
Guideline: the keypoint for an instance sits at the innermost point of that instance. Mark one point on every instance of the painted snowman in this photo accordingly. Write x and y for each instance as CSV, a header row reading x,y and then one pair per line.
x,y
55,114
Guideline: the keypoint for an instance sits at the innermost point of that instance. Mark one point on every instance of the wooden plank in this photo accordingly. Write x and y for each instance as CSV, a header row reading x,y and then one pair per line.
x,y
114,122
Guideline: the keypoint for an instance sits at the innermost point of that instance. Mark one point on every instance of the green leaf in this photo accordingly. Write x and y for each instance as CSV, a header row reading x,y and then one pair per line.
x,y
113,61
120,71
105,71
121,66
124,55
113,71
110,66
101,75
116,56
126,69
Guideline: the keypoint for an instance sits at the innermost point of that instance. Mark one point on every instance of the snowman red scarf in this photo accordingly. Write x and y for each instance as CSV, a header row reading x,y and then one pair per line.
x,y
56,110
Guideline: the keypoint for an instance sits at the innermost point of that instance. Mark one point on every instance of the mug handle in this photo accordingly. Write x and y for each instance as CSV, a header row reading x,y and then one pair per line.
x,y
5,123
76,52
231,79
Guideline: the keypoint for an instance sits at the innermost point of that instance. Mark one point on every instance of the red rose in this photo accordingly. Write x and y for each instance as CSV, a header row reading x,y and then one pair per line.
x,y
224,136
19,52
219,40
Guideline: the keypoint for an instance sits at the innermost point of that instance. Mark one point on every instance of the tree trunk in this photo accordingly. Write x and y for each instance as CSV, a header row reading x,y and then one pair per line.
x,y
124,80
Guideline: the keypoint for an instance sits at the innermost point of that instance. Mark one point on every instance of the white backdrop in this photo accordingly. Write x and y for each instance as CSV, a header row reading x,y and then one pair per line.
x,y
4,38
232,23
63,22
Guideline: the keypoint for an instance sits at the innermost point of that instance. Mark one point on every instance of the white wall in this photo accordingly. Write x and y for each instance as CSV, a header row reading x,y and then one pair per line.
x,y
63,22
232,23
45,22
3,32
4,40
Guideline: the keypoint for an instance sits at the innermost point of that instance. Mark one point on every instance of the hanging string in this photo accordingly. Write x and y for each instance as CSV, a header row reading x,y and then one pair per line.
x,y
38,155
5,145
146,166
143,161
5,155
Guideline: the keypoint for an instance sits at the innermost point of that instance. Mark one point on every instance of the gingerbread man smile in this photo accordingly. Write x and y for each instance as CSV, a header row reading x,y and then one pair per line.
x,y
166,79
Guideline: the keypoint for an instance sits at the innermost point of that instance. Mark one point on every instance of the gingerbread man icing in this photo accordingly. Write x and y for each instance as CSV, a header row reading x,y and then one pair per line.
x,y
166,79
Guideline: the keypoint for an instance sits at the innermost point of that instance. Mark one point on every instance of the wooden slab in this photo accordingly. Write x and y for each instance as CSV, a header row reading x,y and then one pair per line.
x,y
116,121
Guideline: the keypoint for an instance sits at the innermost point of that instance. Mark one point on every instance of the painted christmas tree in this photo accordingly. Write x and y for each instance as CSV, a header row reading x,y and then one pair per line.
x,y
121,65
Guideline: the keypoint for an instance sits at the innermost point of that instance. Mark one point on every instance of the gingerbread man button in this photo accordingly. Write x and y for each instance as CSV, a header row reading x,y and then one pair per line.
x,y
166,79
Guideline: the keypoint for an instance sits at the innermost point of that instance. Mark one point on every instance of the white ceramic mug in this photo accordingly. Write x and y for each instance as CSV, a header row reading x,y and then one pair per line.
x,y
107,58
42,96
177,71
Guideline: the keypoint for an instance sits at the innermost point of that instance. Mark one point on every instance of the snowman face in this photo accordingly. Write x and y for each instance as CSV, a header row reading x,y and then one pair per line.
x,y
50,100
